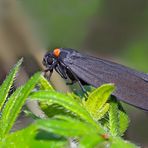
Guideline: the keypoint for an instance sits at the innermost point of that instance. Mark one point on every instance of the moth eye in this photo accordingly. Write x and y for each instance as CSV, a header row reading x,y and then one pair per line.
x,y
50,61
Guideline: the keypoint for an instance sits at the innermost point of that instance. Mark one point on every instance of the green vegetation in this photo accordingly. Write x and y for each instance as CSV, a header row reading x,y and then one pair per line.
x,y
97,121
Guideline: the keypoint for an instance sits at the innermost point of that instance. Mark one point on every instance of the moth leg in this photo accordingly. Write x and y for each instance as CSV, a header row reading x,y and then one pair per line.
x,y
58,71
77,79
61,71
63,74
45,72
83,89
51,71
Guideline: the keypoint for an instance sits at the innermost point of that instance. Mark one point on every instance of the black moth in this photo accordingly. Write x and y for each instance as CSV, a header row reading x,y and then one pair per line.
x,y
132,86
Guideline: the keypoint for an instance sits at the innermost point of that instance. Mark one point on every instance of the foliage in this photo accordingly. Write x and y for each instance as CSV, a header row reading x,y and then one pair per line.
x,y
96,121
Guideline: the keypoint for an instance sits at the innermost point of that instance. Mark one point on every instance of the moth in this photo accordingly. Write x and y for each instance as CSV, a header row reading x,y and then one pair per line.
x,y
132,86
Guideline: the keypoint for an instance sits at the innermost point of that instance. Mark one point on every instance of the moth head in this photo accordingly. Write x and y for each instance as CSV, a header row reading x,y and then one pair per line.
x,y
50,58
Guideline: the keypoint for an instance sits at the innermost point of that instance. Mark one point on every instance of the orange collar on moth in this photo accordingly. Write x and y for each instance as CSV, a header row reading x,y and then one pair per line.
x,y
56,52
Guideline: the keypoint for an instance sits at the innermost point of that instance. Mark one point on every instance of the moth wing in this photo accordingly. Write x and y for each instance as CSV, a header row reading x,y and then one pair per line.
x,y
132,86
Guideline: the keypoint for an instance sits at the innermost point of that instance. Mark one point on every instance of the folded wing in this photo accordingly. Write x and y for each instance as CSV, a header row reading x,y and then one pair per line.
x,y
132,86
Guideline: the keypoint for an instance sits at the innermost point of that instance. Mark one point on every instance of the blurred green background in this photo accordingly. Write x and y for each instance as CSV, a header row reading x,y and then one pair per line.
x,y
112,29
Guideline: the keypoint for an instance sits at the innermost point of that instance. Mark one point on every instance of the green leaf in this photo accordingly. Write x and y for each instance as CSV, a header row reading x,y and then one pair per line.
x,y
87,134
119,143
6,111
15,102
63,127
66,126
114,117
90,141
123,121
44,84
66,101
5,87
100,114
52,109
95,104
30,114
31,137
118,119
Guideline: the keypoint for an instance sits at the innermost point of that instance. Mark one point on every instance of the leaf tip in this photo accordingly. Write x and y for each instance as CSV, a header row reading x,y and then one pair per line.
x,y
21,60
